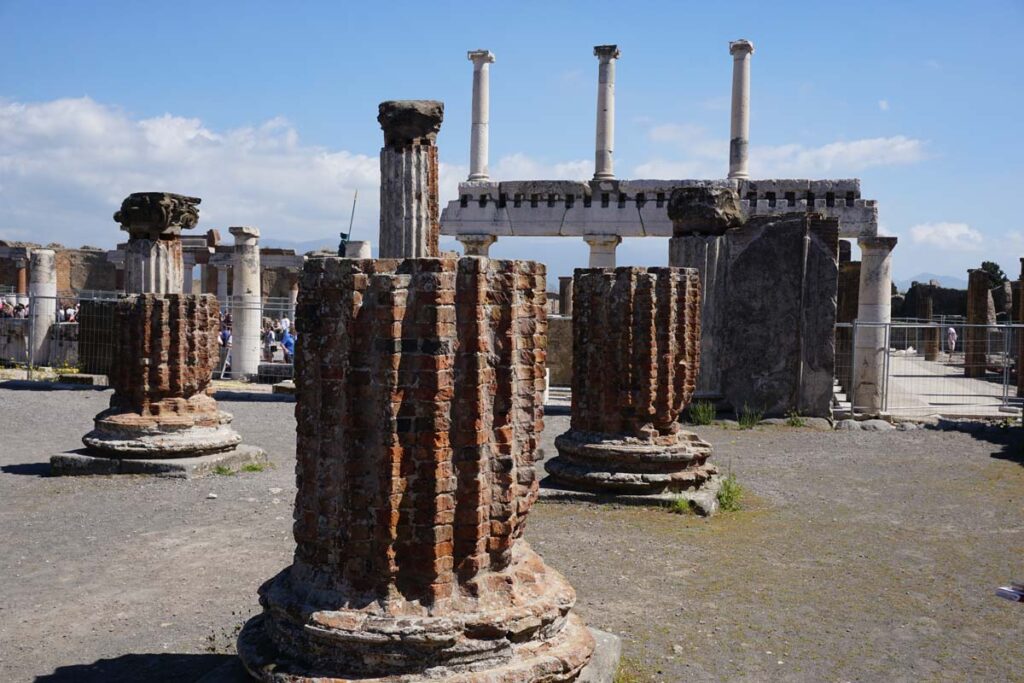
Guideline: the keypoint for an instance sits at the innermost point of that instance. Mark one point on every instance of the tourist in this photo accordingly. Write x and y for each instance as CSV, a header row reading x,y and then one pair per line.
x,y
285,324
268,344
951,341
288,343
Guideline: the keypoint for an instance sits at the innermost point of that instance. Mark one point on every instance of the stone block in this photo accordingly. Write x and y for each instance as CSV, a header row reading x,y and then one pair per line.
x,y
83,463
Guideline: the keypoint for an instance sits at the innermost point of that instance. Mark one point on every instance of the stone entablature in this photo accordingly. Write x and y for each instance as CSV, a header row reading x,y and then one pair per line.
x,y
638,208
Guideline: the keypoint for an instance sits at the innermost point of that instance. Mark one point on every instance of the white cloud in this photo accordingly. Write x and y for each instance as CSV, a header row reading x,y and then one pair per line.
x,y
947,236
700,155
883,105
66,165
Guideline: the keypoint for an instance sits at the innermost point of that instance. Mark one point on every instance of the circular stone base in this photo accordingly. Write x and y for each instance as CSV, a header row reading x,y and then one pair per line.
x,y
517,628
593,462
558,659
130,435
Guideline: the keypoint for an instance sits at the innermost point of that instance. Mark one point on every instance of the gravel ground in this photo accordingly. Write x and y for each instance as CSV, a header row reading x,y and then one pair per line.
x,y
858,556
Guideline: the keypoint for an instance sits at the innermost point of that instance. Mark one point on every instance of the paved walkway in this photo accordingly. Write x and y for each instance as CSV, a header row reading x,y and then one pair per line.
x,y
919,387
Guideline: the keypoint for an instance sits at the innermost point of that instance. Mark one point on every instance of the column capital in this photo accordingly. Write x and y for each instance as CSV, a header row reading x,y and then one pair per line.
x,y
477,244
603,240
244,231
480,57
876,243
408,122
741,48
606,53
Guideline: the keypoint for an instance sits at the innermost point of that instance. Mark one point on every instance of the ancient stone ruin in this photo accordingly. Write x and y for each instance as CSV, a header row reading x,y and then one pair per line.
x,y
153,257
419,410
162,417
636,355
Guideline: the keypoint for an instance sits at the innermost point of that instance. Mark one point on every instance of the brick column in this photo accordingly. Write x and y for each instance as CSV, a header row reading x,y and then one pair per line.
x,y
409,219
419,411
980,313
636,354
22,286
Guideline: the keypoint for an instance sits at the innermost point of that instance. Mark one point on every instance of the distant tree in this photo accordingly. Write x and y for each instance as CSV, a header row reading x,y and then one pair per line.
x,y
996,276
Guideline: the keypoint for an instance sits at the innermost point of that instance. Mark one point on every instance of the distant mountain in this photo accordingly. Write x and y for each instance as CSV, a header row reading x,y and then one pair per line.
x,y
302,247
943,280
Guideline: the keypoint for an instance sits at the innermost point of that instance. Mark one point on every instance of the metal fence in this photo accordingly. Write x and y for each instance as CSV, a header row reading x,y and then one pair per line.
x,y
72,333
940,367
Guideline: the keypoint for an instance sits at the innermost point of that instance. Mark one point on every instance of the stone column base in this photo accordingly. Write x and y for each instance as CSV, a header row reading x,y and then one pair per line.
x,y
131,435
84,463
603,463
524,632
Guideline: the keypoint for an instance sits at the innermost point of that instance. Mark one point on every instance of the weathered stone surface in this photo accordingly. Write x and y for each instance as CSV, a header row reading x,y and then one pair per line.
x,y
83,462
409,222
150,215
419,408
410,122
635,361
166,347
778,348
559,356
704,210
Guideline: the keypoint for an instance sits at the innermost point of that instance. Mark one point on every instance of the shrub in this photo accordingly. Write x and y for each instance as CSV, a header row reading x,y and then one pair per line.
x,y
794,419
750,417
730,494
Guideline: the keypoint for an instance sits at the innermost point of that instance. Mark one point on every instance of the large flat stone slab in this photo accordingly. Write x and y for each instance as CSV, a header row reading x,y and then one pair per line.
x,y
83,463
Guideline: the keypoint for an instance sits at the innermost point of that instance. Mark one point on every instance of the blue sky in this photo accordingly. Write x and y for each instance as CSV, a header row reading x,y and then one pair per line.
x,y
268,110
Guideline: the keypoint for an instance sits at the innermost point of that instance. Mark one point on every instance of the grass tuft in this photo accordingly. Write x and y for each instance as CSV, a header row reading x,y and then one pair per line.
x,y
254,467
681,506
730,494
750,417
223,470
794,419
702,412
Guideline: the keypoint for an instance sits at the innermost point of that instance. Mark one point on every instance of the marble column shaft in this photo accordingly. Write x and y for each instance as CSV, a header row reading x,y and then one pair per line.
x,y
605,136
246,304
739,137
153,266
42,310
478,141
874,305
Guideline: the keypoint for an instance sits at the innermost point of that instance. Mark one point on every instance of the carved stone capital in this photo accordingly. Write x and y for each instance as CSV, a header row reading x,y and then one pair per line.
x,y
409,122
152,215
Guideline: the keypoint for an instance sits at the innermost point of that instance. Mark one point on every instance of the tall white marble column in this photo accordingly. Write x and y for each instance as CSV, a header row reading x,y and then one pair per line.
x,y
246,304
478,140
42,311
476,245
409,213
605,138
874,305
739,137
602,250
222,283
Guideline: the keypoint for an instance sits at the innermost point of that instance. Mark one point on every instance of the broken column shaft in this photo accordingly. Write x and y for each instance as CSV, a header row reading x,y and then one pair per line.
x,y
636,354
42,311
409,219
419,410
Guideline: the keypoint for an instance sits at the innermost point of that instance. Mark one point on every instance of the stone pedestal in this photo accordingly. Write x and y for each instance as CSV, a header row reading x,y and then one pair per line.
x,y
42,310
409,220
602,250
476,245
874,306
636,337
357,249
162,408
418,405
153,256
981,312
246,304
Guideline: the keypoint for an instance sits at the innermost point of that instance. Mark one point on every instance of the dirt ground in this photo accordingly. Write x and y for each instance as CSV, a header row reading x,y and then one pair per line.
x,y
860,556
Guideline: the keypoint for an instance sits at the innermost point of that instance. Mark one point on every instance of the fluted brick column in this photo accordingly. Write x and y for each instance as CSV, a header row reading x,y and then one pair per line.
x,y
636,355
162,407
419,410
409,218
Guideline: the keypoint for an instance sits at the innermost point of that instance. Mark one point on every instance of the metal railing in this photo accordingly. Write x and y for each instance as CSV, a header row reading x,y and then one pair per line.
x,y
939,367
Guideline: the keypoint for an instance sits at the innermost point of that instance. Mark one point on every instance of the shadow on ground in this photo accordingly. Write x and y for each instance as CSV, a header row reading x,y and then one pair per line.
x,y
31,469
46,385
136,668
